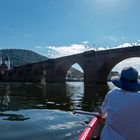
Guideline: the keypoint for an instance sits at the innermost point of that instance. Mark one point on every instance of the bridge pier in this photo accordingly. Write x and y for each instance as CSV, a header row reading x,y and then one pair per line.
x,y
92,65
53,74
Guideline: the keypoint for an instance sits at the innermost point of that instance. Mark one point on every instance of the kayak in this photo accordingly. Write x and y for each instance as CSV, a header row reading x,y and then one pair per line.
x,y
92,130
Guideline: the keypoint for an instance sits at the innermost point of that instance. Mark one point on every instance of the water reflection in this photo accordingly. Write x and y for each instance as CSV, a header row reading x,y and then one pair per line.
x,y
13,117
69,96
56,97
94,96
42,110
75,94
4,95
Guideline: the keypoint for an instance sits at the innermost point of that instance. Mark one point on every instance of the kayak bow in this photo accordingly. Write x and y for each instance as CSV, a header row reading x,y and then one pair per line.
x,y
92,130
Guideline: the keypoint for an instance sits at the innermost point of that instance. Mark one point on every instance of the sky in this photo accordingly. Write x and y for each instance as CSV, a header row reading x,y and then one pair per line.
x,y
56,28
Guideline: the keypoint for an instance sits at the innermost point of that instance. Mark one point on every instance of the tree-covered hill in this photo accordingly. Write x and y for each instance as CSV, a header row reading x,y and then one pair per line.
x,y
74,74
21,57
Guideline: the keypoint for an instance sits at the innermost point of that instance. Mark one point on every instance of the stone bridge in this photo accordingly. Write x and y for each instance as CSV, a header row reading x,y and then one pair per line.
x,y
95,64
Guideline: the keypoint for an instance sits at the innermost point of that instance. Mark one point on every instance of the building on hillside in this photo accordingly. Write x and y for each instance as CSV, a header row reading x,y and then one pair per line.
x,y
4,64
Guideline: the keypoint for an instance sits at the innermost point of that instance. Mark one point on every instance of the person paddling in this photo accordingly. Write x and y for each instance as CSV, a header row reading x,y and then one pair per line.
x,y
121,108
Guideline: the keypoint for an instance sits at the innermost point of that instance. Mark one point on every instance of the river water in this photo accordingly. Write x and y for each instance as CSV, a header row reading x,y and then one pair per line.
x,y
44,111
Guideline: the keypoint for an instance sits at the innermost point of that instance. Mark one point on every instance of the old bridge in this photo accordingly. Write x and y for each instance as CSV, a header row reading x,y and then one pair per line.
x,y
95,64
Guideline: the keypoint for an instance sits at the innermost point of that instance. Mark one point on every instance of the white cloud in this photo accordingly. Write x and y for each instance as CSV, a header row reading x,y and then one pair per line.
x,y
85,42
127,45
38,47
122,37
6,28
26,35
124,45
112,38
59,51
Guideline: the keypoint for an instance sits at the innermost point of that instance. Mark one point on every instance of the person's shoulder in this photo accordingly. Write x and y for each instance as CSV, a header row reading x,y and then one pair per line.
x,y
137,94
113,91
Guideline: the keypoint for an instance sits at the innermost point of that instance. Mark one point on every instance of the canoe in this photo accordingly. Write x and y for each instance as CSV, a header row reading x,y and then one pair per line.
x,y
92,130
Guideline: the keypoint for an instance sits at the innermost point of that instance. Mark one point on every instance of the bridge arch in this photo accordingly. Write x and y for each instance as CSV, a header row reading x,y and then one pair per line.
x,y
132,62
106,67
75,73
62,68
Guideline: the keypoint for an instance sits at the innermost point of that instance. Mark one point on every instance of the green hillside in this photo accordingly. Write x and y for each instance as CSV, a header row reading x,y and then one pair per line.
x,y
21,57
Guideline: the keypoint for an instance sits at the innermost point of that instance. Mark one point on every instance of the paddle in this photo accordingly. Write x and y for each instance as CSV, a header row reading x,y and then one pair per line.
x,y
96,114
